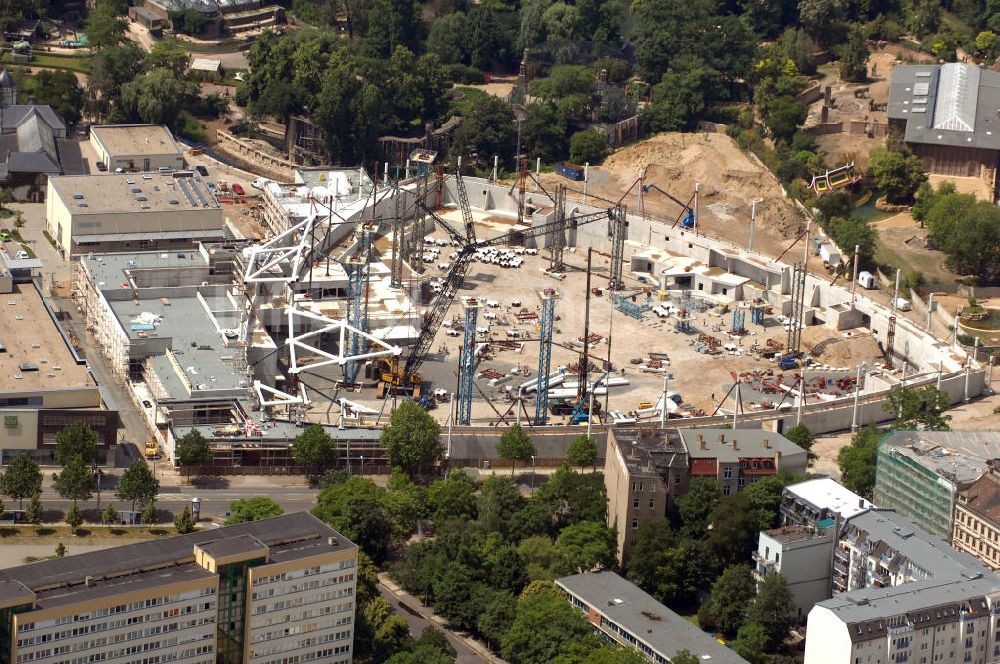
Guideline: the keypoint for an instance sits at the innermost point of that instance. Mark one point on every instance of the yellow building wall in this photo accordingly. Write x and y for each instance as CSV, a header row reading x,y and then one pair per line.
x,y
21,436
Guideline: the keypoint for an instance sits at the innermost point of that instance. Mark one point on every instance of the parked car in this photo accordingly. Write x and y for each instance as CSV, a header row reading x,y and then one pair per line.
x,y
101,166
238,189
146,403
23,255
259,183
201,170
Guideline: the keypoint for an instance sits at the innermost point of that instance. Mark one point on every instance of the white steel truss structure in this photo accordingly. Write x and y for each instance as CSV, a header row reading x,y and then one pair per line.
x,y
278,261
270,396
297,341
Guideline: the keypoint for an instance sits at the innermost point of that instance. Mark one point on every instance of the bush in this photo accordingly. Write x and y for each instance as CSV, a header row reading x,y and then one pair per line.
x,y
586,146
464,74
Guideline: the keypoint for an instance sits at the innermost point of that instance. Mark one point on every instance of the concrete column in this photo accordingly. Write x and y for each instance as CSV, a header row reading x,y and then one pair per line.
x,y
895,294
968,372
857,393
586,179
496,168
930,311
802,398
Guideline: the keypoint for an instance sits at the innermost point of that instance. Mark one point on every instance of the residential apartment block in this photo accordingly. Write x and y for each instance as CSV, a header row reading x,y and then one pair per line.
x,y
647,467
977,515
276,591
908,597
819,503
920,473
801,554
626,615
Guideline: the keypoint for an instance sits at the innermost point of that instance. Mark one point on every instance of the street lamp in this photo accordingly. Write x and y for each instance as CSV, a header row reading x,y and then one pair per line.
x,y
362,464
532,474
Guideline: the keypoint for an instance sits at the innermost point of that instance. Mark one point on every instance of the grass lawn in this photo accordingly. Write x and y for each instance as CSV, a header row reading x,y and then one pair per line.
x,y
87,533
78,63
930,264
464,106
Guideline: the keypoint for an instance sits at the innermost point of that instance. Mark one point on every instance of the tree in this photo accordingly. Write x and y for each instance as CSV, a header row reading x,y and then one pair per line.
x,y
684,657
772,610
732,594
653,538
764,497
488,130
496,618
355,508
137,484
897,174
110,515
76,481
751,643
696,506
168,54
803,437
515,445
968,231
253,509
58,89
73,516
587,146
110,69
854,57
571,497
499,498
105,25
456,597
784,115
453,497
23,479
193,449
447,37
819,16
735,525
986,44
76,440
149,514
857,461
390,23
184,522
919,409
34,511
60,550
413,438
314,447
683,95
582,451
542,560
159,97
543,624
587,545
855,232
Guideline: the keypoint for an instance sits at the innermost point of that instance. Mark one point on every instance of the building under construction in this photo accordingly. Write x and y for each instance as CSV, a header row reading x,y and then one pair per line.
x,y
489,304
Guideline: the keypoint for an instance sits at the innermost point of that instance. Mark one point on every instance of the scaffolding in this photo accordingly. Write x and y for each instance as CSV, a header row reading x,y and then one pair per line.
x,y
624,304
548,297
358,269
467,360
796,322
739,320
618,233
757,314
683,322
555,238
398,222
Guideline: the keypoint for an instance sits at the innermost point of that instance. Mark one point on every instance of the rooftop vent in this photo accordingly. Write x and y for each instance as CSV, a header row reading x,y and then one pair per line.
x,y
144,206
82,205
28,366
147,176
78,196
173,201
135,190
140,197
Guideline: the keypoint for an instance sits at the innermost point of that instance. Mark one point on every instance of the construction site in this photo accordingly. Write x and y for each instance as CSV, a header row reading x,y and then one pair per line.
x,y
542,302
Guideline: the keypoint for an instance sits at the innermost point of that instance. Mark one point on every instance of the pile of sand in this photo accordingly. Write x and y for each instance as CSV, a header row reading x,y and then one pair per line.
x,y
729,179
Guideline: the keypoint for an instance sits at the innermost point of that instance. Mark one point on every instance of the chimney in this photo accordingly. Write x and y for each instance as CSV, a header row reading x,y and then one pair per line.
x,y
861,503
332,541
701,442
88,581
767,444
635,450
722,437
735,446
777,460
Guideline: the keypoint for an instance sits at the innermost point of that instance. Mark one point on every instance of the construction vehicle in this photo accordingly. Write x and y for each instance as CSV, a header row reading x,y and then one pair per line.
x,y
401,375
787,362
581,413
686,217
152,450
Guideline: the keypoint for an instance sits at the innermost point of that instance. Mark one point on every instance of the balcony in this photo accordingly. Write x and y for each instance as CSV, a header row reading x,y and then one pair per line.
x,y
842,554
840,568
881,579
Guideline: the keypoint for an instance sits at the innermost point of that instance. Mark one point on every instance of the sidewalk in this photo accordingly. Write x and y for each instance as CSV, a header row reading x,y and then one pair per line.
x,y
415,605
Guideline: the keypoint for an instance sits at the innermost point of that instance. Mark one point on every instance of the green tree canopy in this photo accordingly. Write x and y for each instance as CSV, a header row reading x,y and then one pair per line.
x,y
23,479
488,130
193,449
857,461
854,57
921,408
74,519
732,594
314,447
784,115
499,498
544,622
801,436
105,25
772,610
76,481
76,440
168,54
587,545
897,174
253,509
515,445
109,516
413,438
542,560
34,512
751,643
356,509
453,497
137,484
587,146
696,506
184,522
582,451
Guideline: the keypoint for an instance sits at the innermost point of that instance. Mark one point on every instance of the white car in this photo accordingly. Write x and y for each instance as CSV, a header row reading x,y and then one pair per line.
x,y
444,266
23,255
489,315
259,183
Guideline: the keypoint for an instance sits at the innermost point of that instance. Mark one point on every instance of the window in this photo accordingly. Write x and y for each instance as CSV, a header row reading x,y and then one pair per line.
x,y
635,524
635,502
727,473
725,490
652,503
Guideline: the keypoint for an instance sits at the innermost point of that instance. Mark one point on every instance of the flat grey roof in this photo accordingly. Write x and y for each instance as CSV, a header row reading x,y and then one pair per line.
x,y
749,443
136,139
179,191
231,546
73,594
953,104
110,268
958,456
649,621
300,532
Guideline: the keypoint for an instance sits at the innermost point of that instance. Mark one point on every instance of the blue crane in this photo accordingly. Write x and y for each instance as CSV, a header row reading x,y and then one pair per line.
x,y
581,413
686,217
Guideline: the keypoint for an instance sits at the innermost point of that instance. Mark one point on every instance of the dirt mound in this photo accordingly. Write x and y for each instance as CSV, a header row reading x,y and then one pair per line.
x,y
729,181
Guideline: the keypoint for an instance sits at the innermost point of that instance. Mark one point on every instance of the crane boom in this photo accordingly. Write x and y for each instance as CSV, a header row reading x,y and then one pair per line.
x,y
688,211
463,202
